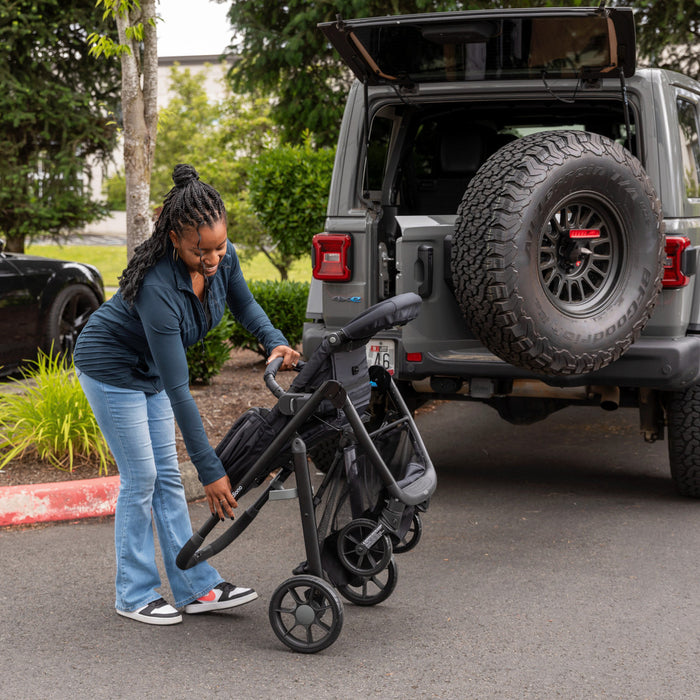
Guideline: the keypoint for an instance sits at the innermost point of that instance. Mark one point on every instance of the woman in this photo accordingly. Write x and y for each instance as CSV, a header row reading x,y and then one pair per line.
x,y
131,363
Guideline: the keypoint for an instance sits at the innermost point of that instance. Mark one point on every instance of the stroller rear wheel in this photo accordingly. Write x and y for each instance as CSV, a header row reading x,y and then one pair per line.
x,y
306,613
362,549
412,536
371,590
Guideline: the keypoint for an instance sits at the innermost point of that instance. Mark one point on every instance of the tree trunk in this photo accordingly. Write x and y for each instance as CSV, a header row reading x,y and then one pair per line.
x,y
282,266
140,114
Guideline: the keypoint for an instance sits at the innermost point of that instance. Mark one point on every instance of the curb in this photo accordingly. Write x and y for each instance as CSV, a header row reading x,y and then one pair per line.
x,y
60,500
72,500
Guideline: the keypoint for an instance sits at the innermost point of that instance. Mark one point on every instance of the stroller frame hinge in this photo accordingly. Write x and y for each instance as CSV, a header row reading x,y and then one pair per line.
x,y
391,515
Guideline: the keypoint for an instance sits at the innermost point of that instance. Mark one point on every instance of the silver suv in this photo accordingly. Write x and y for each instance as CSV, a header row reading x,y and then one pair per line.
x,y
512,167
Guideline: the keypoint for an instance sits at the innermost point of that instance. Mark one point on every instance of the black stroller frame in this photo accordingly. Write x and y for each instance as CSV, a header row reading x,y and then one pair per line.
x,y
305,611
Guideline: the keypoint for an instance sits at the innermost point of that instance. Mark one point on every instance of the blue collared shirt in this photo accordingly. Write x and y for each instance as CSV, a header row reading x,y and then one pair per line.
x,y
144,347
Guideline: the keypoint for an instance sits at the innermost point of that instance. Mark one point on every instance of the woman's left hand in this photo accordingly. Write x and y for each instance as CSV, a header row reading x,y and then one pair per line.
x,y
220,499
289,355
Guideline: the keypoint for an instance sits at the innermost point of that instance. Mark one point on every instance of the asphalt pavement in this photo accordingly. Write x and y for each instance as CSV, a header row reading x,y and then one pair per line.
x,y
556,562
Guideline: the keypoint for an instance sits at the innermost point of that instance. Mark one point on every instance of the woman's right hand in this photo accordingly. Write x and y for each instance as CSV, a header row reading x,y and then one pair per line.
x,y
220,499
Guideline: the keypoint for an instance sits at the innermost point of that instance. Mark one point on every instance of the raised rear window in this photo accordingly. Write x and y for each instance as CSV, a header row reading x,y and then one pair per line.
x,y
487,45
488,49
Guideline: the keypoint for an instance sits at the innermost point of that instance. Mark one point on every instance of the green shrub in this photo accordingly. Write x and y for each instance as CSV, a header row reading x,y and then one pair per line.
x,y
205,360
51,418
284,303
288,189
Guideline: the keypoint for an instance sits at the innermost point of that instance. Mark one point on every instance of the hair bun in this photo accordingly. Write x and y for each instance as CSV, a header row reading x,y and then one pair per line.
x,y
184,174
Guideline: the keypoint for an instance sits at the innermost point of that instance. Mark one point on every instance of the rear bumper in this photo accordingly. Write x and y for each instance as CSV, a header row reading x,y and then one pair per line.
x,y
658,363
668,364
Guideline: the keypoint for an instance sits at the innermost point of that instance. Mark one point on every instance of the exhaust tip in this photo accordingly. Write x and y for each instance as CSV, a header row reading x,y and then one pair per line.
x,y
609,398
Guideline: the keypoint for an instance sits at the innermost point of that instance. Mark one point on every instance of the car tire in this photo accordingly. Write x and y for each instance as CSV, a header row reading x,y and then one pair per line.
x,y
683,417
536,294
67,316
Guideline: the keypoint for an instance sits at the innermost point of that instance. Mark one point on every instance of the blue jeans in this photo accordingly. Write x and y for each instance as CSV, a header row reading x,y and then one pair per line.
x,y
140,431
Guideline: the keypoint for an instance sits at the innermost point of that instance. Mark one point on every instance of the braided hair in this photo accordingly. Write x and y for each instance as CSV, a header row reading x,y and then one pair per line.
x,y
190,204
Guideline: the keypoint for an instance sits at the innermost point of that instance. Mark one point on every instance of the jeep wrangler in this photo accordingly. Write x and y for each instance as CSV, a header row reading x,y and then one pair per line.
x,y
511,167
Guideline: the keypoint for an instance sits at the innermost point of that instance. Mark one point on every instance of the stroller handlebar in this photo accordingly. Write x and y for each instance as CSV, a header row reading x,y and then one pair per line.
x,y
271,372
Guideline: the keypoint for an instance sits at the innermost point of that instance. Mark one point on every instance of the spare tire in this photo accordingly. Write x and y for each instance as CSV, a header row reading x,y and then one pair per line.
x,y
557,257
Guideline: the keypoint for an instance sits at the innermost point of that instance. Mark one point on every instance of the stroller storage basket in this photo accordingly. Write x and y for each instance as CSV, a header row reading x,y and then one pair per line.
x,y
368,503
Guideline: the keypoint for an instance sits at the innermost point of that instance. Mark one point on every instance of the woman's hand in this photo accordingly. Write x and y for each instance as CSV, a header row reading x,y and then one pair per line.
x,y
289,355
220,499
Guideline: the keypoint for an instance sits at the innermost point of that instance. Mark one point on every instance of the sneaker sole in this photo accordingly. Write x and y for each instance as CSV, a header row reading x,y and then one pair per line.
x,y
151,619
195,608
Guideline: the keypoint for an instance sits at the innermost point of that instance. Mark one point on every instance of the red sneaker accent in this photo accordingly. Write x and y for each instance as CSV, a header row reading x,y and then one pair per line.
x,y
208,597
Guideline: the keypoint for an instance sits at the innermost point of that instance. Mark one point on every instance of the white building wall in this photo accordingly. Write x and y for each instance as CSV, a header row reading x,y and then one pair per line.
x,y
211,68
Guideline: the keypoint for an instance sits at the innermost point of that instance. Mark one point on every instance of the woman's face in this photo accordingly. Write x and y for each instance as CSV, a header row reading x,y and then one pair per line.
x,y
202,250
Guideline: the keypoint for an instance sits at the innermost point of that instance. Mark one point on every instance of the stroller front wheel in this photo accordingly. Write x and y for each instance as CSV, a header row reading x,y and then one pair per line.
x,y
363,548
306,613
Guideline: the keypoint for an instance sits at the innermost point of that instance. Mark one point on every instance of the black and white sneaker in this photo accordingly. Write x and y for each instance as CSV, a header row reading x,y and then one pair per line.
x,y
158,612
221,597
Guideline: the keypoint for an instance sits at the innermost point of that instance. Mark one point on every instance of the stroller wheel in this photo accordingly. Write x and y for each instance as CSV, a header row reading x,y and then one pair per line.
x,y
306,613
371,590
412,536
362,548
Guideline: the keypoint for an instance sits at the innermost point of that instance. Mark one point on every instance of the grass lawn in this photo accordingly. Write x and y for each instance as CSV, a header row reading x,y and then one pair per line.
x,y
111,261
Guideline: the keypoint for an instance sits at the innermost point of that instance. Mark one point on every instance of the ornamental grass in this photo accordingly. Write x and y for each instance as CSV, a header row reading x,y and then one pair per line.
x,y
50,419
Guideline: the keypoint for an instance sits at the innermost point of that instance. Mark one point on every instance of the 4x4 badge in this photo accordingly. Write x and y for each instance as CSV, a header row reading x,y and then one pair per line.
x,y
354,300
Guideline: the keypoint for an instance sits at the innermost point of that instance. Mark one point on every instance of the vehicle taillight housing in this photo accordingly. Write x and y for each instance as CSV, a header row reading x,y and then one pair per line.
x,y
673,269
331,257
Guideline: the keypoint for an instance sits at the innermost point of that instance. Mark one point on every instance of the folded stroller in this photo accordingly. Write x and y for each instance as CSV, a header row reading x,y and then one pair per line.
x,y
368,504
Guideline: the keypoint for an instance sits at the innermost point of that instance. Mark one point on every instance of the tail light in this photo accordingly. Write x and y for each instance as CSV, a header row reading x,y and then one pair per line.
x,y
331,257
673,265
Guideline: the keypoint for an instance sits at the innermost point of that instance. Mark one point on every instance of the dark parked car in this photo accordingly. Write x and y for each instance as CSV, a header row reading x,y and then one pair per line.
x,y
43,303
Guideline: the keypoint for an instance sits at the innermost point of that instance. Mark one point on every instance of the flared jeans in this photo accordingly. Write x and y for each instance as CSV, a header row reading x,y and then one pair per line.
x,y
140,431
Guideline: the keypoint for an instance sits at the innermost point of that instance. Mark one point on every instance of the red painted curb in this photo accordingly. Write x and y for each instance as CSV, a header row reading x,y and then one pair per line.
x,y
60,500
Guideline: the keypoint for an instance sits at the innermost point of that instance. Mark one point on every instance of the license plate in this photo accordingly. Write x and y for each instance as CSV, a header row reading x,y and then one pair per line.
x,y
383,353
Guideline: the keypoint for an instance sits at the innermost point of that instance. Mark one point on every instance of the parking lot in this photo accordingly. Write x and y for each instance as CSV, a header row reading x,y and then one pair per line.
x,y
556,562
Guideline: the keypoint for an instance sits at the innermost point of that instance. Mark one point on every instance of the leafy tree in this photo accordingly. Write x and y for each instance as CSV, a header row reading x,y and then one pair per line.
x,y
668,34
246,130
220,139
289,193
138,55
55,107
282,52
187,130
